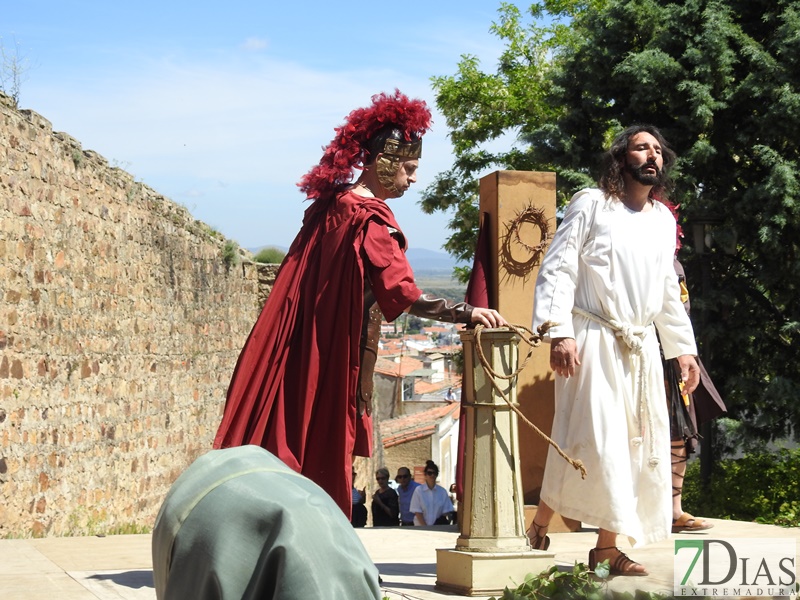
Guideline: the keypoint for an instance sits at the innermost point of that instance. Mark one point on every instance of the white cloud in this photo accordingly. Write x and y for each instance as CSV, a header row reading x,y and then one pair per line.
x,y
254,44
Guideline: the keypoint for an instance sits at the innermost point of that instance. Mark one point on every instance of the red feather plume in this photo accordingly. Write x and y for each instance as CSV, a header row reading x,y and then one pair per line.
x,y
347,149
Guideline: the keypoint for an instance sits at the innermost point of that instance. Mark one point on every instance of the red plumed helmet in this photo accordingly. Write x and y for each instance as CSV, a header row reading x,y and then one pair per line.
x,y
348,149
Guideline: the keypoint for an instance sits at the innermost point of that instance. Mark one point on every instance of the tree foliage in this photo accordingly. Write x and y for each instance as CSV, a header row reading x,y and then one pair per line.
x,y
721,78
744,488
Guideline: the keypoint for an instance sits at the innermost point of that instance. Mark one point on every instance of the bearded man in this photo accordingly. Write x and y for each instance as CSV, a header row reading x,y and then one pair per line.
x,y
608,283
302,387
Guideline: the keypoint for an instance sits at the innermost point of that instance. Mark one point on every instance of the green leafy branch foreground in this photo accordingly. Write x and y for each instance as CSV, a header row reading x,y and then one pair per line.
x,y
580,582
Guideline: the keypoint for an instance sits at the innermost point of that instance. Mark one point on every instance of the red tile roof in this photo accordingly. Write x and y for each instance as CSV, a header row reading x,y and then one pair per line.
x,y
418,337
437,329
419,425
390,347
408,365
427,387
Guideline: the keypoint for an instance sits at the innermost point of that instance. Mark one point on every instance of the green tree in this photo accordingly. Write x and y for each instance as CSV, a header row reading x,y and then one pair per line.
x,y
721,78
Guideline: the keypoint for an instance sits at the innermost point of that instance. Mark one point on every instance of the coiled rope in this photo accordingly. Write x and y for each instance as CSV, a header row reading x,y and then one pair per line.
x,y
533,340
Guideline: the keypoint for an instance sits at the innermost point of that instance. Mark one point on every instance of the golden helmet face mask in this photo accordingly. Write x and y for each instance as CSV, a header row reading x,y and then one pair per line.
x,y
394,153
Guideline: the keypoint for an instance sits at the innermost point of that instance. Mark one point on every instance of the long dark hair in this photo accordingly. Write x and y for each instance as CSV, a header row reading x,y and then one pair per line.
x,y
611,180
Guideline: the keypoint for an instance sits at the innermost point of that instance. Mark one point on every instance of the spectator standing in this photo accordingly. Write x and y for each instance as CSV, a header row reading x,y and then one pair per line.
x,y
358,514
405,491
431,503
385,505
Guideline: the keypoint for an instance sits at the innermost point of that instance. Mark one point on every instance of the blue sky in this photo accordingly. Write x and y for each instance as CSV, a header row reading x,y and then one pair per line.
x,y
223,106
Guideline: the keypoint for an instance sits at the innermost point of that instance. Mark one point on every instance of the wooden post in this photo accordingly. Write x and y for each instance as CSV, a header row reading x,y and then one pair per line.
x,y
513,268
493,546
492,518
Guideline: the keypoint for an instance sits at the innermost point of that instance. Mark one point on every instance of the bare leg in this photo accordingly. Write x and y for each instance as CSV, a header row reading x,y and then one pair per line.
x,y
606,549
682,521
537,534
606,539
678,449
543,514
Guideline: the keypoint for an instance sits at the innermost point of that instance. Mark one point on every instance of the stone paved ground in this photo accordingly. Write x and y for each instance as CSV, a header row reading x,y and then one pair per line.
x,y
119,567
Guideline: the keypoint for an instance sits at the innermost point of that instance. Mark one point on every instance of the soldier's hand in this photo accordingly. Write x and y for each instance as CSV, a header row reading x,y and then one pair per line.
x,y
488,317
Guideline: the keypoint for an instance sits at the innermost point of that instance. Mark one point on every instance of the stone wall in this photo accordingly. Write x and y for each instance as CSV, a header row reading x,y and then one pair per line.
x,y
409,454
120,324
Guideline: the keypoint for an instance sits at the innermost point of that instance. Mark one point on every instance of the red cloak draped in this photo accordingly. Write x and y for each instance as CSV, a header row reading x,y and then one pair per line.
x,y
294,388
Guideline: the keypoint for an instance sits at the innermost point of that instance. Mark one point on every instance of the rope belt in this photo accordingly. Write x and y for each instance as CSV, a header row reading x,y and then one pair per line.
x,y
633,336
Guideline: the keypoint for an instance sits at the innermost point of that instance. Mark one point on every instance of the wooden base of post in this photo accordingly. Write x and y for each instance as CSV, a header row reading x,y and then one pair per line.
x,y
487,573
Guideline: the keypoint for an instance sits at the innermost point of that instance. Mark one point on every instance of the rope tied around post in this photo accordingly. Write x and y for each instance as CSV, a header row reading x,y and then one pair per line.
x,y
533,340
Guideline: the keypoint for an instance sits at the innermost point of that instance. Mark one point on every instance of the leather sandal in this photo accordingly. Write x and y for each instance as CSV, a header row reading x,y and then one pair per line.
x,y
687,523
621,565
538,542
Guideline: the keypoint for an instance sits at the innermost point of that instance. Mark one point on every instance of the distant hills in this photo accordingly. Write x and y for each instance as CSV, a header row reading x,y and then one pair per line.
x,y
430,261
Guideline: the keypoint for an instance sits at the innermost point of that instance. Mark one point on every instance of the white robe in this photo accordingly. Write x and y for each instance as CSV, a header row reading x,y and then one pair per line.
x,y
615,263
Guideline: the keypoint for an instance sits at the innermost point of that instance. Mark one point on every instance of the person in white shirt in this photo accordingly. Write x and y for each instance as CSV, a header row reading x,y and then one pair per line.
x,y
431,503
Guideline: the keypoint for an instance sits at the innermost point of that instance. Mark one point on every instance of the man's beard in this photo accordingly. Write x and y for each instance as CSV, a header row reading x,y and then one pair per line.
x,y
638,174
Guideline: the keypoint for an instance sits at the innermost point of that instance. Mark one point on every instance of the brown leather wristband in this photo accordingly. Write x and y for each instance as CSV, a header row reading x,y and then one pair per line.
x,y
440,309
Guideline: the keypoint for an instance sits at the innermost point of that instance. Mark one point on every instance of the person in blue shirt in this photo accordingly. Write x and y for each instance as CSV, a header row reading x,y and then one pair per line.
x,y
405,490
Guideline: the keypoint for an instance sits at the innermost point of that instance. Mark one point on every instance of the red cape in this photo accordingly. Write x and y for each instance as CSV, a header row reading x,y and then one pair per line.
x,y
294,388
